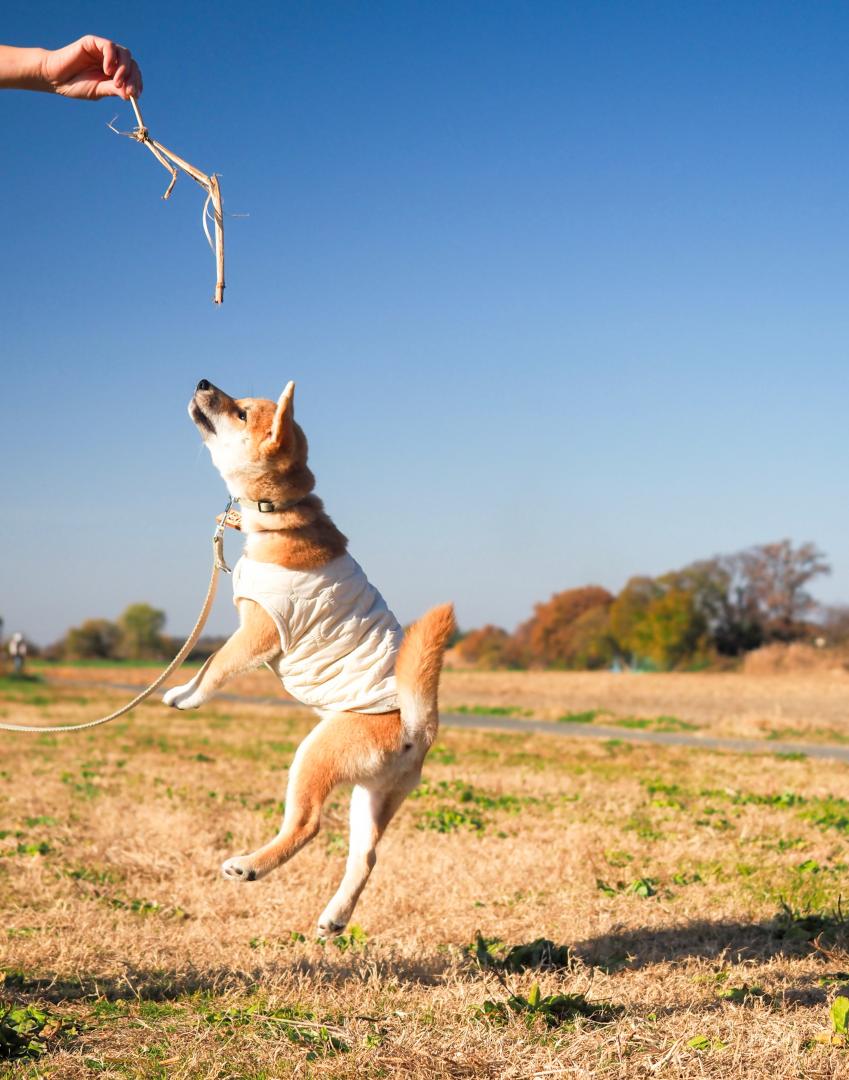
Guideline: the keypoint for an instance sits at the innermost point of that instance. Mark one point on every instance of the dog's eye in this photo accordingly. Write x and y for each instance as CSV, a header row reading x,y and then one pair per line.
x,y
242,414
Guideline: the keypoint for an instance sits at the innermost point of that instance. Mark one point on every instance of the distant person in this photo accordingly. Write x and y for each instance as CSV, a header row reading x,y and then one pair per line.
x,y
18,653
91,68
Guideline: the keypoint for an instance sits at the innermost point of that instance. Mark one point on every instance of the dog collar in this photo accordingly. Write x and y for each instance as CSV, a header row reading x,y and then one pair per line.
x,y
266,506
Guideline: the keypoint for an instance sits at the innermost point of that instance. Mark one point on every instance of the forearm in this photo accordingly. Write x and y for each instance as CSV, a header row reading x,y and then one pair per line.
x,y
23,69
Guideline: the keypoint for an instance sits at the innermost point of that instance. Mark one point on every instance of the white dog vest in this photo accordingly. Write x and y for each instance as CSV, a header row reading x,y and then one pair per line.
x,y
338,639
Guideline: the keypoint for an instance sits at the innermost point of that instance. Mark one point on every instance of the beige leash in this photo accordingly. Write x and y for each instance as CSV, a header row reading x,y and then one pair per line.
x,y
218,564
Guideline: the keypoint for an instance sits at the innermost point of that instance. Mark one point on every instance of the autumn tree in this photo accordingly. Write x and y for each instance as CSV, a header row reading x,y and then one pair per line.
x,y
549,637
658,620
729,604
591,643
731,621
488,647
673,631
628,613
773,579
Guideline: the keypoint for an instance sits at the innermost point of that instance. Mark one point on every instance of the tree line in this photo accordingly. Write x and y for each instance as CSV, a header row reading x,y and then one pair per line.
x,y
711,610
137,634
715,608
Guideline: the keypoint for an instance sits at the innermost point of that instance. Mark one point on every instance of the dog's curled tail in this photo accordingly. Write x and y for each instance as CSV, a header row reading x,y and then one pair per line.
x,y
417,671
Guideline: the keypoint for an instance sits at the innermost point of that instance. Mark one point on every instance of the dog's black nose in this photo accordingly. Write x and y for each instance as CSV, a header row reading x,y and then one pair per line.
x,y
203,384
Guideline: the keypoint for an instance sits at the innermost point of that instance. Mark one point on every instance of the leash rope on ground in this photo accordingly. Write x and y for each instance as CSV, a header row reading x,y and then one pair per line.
x,y
218,564
172,162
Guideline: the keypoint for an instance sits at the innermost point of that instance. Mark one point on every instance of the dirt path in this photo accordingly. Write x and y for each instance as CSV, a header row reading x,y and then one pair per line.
x,y
548,727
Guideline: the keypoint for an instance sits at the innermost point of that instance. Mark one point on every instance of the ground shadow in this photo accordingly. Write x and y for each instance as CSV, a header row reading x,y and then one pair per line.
x,y
785,935
157,984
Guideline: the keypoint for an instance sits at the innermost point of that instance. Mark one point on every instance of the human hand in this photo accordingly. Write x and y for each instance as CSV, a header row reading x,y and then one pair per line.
x,y
92,68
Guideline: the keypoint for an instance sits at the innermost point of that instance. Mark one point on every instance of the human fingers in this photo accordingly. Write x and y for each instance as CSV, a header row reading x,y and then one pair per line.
x,y
105,53
133,80
109,52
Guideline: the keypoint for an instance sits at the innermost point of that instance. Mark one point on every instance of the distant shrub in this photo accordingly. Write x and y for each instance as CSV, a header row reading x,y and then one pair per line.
x,y
488,648
95,638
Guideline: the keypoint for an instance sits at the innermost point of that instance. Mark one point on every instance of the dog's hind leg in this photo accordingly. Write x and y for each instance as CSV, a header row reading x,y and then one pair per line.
x,y
344,747
371,811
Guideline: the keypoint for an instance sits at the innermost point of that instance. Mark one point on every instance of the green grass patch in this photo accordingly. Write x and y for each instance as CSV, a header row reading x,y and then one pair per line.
x,y
829,812
21,1031
818,734
494,953
804,925
585,717
40,847
299,1025
294,937
826,811
643,887
93,875
447,819
704,1043
142,908
643,827
468,802
84,783
354,940
492,710
34,822
655,723
468,794
24,690
617,746
552,1010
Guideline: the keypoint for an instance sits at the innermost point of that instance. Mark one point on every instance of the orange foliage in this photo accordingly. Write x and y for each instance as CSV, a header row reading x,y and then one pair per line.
x,y
554,635
489,647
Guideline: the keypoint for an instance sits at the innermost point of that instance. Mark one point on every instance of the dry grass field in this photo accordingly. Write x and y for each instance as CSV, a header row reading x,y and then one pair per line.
x,y
811,707
804,707
690,899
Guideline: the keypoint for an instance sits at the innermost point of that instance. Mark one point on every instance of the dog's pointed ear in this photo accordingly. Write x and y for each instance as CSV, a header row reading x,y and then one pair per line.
x,y
283,424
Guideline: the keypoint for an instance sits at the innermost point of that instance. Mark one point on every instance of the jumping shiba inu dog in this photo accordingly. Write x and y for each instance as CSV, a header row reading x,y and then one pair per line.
x,y
308,611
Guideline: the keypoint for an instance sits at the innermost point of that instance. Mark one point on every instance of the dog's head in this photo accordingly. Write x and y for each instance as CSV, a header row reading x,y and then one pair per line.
x,y
255,444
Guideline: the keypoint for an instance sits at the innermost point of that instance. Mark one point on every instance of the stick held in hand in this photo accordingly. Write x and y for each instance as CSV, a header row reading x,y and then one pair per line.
x,y
174,164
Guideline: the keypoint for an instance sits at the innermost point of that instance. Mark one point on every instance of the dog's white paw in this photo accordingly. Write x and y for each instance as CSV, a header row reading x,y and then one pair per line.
x,y
326,928
331,923
239,868
182,697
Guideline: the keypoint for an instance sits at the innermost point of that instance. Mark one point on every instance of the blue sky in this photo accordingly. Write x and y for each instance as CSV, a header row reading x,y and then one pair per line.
x,y
564,288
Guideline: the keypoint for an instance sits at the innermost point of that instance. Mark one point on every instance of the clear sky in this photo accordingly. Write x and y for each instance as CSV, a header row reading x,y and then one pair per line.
x,y
564,288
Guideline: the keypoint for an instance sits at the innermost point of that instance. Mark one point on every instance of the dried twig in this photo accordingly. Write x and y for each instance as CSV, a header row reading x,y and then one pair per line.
x,y
173,162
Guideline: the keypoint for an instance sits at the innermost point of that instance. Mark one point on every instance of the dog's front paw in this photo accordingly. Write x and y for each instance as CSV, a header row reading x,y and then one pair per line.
x,y
329,927
239,868
182,697
335,917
